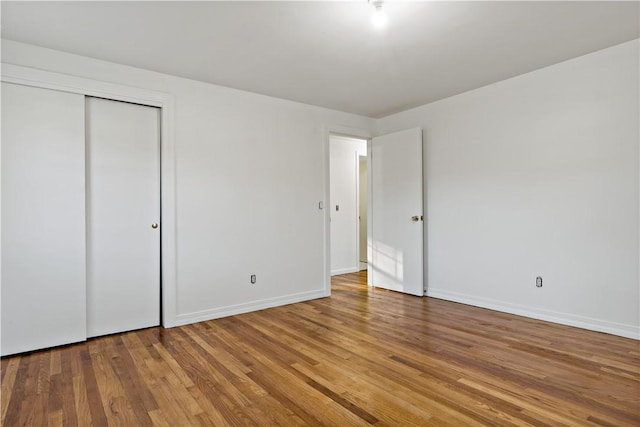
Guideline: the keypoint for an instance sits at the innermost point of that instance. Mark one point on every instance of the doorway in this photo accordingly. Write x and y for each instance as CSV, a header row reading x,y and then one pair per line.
x,y
348,203
395,232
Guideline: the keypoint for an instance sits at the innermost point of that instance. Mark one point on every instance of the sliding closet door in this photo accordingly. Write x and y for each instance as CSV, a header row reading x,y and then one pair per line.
x,y
123,216
43,224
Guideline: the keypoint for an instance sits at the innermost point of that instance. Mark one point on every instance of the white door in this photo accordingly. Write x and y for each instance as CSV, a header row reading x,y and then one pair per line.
x,y
123,216
396,238
43,225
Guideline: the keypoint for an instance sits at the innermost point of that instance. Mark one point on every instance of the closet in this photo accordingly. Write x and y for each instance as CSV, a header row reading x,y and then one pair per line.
x,y
80,206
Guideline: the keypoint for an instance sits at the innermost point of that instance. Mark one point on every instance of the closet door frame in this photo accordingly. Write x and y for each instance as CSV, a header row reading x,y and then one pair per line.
x,y
165,101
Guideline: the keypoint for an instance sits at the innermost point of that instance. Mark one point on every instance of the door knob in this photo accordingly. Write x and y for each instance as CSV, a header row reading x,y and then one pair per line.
x,y
415,218
154,225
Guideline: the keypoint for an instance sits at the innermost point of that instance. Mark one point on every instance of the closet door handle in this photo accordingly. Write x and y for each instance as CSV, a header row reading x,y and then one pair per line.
x,y
154,225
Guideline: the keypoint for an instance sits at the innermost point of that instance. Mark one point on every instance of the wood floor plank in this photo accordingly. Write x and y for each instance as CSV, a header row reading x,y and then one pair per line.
x,y
166,390
9,374
364,356
266,408
55,419
38,396
137,394
281,381
90,383
113,396
83,411
226,401
213,415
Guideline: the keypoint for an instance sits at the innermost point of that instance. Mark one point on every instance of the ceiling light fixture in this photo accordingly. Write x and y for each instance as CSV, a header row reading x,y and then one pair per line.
x,y
379,18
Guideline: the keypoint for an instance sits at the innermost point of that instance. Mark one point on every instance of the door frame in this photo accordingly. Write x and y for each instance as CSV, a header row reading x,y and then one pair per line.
x,y
348,132
66,83
358,204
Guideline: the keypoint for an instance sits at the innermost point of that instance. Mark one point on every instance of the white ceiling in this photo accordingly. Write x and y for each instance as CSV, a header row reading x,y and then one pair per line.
x,y
327,53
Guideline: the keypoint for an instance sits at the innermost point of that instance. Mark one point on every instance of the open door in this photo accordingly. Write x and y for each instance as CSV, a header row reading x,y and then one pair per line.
x,y
396,238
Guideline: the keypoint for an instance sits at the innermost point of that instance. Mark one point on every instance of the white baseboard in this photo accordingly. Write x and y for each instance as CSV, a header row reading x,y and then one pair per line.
x,y
627,331
216,313
344,271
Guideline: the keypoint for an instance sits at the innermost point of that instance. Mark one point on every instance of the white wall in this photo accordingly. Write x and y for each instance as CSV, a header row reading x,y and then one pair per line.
x,y
538,175
249,176
344,156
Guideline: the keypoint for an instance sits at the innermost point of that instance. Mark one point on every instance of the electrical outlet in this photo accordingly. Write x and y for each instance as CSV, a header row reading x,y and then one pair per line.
x,y
253,279
539,281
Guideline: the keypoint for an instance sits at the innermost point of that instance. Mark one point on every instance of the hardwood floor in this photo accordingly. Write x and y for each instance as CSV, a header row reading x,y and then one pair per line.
x,y
360,357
